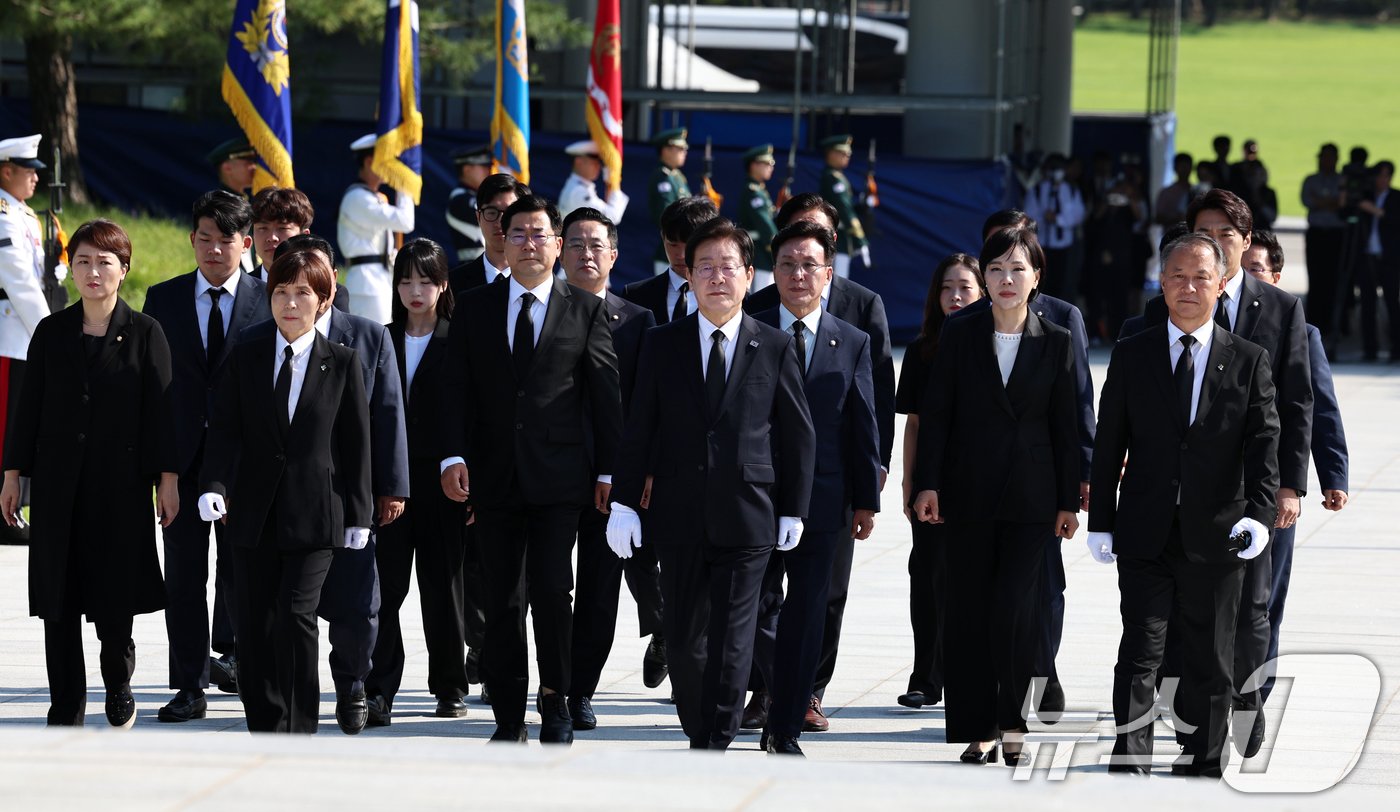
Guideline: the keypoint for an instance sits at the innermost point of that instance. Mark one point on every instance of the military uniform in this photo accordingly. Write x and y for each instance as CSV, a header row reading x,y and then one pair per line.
x,y
756,217
461,206
236,149
836,190
578,191
365,230
665,186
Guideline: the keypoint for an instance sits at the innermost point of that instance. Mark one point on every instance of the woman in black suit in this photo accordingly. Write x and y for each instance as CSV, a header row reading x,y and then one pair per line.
x,y
287,468
956,283
432,526
89,431
999,462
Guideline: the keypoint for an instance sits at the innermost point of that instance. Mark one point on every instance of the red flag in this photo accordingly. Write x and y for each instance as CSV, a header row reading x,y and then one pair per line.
x,y
604,104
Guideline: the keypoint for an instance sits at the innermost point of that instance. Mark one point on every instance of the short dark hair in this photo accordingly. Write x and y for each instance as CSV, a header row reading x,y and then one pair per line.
x,y
719,228
1193,240
1220,139
588,214
1006,218
1225,202
529,203
277,205
1170,233
427,258
1184,157
1329,147
803,230
230,212
1005,240
680,219
797,204
1384,166
498,184
1266,239
933,312
1359,155
304,242
287,267
104,235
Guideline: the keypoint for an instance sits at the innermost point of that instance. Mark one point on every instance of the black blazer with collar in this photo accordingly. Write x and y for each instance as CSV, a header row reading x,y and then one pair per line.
x,y
1273,319
723,482
311,482
523,440
1329,439
467,276
651,294
1005,452
629,323
840,392
423,407
195,380
863,308
1222,467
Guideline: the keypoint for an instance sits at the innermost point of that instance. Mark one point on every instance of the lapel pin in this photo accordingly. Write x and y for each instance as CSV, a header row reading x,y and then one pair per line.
x,y
119,338
615,317
753,342
833,342
1220,367
323,367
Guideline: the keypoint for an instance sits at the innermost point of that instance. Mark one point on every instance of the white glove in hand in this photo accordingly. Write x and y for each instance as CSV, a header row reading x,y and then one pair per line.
x,y
1101,547
211,507
789,533
865,255
1258,537
624,530
356,538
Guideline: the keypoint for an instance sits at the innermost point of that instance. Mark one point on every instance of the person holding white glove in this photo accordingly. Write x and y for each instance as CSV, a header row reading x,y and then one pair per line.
x,y
287,469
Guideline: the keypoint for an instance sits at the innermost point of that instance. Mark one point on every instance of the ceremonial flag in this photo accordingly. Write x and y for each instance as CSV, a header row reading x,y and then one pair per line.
x,y
510,124
255,86
604,102
398,153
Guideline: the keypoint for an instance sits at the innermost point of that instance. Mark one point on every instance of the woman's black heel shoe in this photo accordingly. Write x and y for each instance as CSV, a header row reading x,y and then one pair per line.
x,y
1011,758
979,756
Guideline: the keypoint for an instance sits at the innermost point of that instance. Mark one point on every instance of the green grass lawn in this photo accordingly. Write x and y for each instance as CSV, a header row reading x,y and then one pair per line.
x,y
1290,85
160,248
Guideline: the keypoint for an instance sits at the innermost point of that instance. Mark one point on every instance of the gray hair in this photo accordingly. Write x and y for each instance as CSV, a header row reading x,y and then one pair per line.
x,y
1192,240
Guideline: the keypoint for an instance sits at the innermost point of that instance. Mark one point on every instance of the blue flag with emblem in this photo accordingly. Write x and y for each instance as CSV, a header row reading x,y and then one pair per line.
x,y
510,124
398,154
256,87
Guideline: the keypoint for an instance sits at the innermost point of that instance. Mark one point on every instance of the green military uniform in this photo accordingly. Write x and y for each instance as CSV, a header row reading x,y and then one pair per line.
x,y
836,190
756,211
666,185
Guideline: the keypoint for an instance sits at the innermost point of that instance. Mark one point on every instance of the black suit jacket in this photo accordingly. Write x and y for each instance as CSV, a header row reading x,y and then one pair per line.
x,y
467,276
863,308
1223,466
994,451
194,380
722,482
1329,439
1273,319
840,394
523,440
629,323
423,408
651,294
310,483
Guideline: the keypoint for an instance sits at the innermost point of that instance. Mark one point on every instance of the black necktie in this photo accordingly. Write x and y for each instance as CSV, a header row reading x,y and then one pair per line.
x,y
678,312
1185,375
524,347
1222,316
714,374
282,390
799,332
214,343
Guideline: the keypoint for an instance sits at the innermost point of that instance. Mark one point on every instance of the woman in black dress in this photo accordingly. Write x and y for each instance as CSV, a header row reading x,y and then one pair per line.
x,y
89,431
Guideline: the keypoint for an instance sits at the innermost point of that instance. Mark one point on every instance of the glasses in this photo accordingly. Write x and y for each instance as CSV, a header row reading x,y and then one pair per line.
x,y
808,268
710,271
490,213
538,239
595,247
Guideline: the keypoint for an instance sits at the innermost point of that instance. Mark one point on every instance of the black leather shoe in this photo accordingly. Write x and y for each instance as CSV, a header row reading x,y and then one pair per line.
x,y
473,666
1130,769
185,706
918,699
581,712
223,673
763,739
784,746
121,707
555,725
352,712
1052,702
756,712
485,697
654,668
974,756
1256,737
451,707
513,734
1194,770
377,712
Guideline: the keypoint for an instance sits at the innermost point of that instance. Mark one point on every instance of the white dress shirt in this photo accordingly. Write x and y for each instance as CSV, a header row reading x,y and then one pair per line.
x,y
491,270
812,320
673,292
301,356
730,330
537,309
1200,353
203,302
413,349
1232,304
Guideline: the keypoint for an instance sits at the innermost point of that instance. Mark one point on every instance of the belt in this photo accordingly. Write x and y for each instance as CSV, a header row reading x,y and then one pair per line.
x,y
368,259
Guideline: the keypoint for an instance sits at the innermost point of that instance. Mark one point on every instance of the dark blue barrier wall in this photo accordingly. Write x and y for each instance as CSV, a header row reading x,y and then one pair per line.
x,y
141,160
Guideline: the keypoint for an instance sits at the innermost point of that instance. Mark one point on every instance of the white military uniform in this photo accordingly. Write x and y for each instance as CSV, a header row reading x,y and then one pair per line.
x,y
21,275
365,233
578,193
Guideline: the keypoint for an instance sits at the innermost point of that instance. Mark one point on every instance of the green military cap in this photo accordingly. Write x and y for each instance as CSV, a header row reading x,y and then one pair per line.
x,y
230,150
840,143
762,153
671,138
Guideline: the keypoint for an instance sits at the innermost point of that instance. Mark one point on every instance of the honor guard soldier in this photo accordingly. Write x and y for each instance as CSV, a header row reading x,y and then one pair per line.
x,y
756,212
473,165
235,161
850,234
365,233
581,189
667,183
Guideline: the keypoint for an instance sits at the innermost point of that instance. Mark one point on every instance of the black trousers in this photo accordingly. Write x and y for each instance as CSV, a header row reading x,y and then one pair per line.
x,y
600,575
63,655
473,591
928,589
1252,628
1202,602
432,528
1373,271
279,666
350,605
1052,612
534,543
1281,564
1323,250
710,608
992,636
838,591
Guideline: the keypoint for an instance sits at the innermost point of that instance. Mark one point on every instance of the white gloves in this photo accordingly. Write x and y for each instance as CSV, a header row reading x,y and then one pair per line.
x,y
356,538
211,507
865,255
1101,547
789,533
624,530
1258,537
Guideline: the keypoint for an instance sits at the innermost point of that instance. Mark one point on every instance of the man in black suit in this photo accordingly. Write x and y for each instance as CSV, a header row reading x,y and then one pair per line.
x,y
202,314
1380,227
667,295
530,360
493,197
720,422
590,251
1201,447
840,391
279,215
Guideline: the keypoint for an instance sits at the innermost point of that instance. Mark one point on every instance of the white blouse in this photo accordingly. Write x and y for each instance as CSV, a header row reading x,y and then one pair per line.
x,y
413,349
1006,345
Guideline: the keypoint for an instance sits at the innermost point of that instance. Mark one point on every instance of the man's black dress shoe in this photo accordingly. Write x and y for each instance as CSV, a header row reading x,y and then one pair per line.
x,y
121,707
1052,702
377,713
756,712
555,725
654,668
581,712
1251,747
918,699
185,706
352,712
451,707
473,666
784,746
513,734
485,697
223,673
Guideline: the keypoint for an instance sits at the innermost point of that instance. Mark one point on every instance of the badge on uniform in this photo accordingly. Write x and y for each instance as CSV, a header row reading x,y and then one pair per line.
x,y
839,188
664,187
758,203
4,206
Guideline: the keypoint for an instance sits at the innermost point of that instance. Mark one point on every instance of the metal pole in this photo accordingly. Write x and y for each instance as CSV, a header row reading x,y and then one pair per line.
x,y
1001,77
690,49
797,75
